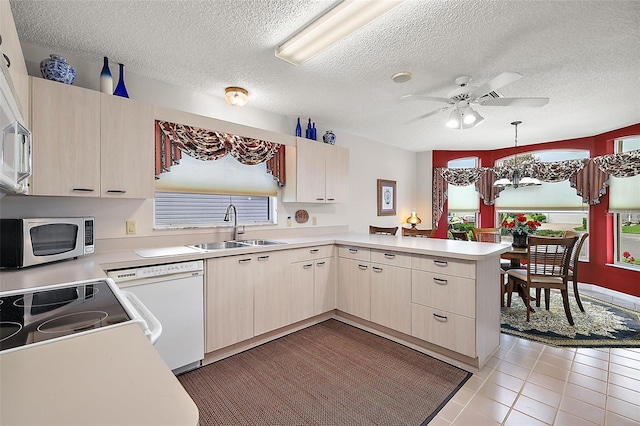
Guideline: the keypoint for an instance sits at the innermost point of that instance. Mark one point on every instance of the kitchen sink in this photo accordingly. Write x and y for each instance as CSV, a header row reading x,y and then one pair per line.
x,y
220,245
223,245
260,242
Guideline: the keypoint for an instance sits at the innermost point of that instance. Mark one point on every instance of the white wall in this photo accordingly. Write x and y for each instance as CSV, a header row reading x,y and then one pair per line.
x,y
369,161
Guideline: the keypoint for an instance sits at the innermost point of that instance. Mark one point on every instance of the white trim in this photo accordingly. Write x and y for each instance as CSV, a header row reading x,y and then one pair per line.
x,y
608,292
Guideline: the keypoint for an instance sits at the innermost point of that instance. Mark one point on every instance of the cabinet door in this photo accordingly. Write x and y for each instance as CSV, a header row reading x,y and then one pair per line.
x,y
325,285
311,172
272,292
354,287
337,174
229,301
302,290
66,139
127,148
10,46
391,297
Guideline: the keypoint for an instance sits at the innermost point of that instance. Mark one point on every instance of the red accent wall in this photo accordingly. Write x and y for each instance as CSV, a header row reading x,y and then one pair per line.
x,y
597,270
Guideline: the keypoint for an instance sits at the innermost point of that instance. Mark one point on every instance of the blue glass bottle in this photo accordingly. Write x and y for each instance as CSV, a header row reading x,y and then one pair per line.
x,y
313,132
106,81
299,129
308,133
121,90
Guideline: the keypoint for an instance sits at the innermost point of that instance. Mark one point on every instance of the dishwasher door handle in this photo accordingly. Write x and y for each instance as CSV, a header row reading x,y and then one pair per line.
x,y
153,326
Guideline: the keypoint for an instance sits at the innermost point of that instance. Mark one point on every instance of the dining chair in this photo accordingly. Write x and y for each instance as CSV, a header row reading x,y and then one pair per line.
x,y
382,231
460,235
547,268
415,232
573,264
478,231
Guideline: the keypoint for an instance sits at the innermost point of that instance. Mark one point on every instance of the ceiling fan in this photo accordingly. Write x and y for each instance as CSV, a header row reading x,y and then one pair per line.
x,y
463,116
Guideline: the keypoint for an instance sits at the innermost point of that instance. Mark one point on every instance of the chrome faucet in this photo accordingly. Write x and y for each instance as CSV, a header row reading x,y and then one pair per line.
x,y
235,221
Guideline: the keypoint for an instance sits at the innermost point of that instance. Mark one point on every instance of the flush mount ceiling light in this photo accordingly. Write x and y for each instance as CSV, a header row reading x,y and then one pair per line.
x,y
236,96
518,176
341,21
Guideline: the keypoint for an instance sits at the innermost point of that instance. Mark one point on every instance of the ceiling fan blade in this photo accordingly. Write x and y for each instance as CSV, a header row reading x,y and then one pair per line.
x,y
518,102
428,98
429,114
497,82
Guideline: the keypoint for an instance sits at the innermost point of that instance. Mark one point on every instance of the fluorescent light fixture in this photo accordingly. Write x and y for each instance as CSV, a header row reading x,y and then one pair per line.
x,y
338,23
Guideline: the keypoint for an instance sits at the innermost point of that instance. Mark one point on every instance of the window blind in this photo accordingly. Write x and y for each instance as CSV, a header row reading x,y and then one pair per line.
x,y
548,196
173,209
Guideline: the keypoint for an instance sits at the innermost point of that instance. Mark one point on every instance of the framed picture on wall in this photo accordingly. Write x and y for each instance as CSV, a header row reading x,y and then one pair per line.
x,y
386,197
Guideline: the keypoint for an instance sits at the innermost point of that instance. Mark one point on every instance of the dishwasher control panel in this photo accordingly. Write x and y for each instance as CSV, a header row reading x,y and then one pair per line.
x,y
194,267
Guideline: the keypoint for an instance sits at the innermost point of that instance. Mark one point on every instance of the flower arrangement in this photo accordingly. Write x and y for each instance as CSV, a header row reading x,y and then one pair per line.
x,y
520,225
628,258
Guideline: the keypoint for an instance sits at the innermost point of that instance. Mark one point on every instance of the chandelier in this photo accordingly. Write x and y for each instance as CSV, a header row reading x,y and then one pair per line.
x,y
518,175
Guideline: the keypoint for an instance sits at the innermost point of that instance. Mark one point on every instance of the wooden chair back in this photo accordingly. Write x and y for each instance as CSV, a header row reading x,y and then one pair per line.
x,y
415,232
488,237
549,257
460,235
382,231
478,231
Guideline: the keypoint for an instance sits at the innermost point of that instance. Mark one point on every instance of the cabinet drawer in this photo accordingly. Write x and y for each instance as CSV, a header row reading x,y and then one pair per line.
x,y
444,329
444,265
356,253
391,258
446,292
311,253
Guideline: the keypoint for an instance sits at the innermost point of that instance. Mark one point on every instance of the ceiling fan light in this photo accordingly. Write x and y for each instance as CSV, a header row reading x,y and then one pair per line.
x,y
468,116
454,120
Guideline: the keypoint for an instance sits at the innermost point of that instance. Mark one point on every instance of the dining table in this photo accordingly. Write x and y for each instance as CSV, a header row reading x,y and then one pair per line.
x,y
516,255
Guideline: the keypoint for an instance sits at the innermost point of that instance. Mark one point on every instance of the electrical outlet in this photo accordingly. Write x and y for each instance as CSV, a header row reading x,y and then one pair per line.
x,y
131,227
314,220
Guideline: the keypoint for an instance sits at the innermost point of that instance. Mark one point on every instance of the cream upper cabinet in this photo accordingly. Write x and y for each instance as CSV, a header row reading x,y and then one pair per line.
x,y
14,59
65,122
90,144
316,173
127,148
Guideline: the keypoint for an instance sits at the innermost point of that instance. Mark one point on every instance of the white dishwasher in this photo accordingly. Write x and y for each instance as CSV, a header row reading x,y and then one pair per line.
x,y
174,293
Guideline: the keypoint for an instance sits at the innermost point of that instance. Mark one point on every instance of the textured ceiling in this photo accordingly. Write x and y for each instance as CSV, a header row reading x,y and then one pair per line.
x,y
583,55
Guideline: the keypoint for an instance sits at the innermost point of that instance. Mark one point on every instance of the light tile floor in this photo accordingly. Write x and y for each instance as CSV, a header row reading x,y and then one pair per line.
x,y
528,383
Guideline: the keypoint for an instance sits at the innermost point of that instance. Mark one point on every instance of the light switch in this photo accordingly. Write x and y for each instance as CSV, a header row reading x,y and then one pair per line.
x,y
131,227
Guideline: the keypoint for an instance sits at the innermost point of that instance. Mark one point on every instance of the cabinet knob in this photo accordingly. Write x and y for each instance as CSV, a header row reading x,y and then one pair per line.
x,y
116,191
314,250
440,318
244,260
353,250
7,60
262,258
376,269
319,199
321,263
307,266
82,189
390,256
440,281
363,267
440,262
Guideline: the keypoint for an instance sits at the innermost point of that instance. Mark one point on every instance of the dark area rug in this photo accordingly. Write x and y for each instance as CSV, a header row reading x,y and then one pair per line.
x,y
601,325
327,374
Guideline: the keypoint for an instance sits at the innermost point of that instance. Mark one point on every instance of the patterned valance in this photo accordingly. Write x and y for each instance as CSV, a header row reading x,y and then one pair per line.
x,y
172,139
588,176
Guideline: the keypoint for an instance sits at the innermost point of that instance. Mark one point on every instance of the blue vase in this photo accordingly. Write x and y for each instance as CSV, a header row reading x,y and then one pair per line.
x,y
298,129
121,90
106,81
56,68
329,137
313,132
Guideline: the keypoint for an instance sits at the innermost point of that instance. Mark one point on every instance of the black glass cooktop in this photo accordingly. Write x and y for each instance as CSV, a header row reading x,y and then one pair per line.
x,y
48,313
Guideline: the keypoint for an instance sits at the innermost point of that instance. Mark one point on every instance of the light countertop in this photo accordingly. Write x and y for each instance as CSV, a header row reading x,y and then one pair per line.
x,y
94,265
110,377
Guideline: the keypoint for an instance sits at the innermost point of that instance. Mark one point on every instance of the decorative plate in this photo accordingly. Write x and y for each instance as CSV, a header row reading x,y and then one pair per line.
x,y
302,216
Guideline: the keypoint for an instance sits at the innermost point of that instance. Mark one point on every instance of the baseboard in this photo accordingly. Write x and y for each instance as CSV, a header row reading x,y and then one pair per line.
x,y
608,292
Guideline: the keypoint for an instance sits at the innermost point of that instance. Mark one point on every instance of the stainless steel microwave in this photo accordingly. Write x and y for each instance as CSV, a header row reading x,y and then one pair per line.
x,y
29,242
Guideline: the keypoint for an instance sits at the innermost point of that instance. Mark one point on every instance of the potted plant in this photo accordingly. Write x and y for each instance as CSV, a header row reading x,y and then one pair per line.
x,y
520,227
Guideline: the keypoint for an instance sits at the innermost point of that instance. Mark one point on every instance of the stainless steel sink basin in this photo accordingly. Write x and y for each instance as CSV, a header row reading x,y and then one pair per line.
x,y
220,245
261,242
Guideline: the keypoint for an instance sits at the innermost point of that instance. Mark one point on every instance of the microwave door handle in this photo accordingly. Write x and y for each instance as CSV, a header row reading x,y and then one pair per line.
x,y
25,152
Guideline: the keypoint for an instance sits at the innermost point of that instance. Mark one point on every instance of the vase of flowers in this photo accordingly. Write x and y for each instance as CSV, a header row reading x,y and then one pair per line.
x,y
520,228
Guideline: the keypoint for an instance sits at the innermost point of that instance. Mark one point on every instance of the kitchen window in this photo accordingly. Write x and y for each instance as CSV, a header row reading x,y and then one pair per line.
x,y
196,193
626,208
463,202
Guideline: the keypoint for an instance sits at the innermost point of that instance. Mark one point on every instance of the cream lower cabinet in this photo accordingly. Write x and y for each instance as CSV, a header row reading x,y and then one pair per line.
x,y
391,290
229,300
95,145
313,288
272,291
443,306
354,281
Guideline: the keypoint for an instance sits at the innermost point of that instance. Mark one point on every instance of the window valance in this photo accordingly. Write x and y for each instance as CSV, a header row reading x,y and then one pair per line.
x,y
589,177
172,139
